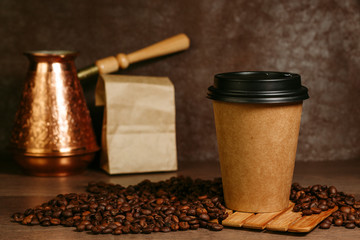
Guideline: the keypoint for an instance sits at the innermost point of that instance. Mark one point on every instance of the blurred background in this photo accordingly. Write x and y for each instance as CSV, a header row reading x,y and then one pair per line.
x,y
318,39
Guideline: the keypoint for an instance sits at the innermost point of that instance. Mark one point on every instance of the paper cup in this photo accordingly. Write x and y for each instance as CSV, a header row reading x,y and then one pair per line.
x,y
257,117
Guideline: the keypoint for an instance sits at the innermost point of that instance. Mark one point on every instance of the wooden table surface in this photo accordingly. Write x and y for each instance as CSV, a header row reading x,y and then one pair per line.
x,y
18,192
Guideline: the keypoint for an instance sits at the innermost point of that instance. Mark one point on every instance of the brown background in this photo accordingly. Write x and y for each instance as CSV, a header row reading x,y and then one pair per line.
x,y
317,39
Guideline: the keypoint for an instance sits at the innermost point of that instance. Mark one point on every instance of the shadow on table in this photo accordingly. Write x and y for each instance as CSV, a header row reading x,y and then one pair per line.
x,y
8,164
271,232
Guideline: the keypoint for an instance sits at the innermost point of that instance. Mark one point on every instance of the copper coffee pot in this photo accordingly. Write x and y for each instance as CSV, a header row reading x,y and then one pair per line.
x,y
53,134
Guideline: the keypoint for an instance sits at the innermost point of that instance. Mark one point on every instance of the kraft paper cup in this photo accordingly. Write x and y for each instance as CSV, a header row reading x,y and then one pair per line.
x,y
257,118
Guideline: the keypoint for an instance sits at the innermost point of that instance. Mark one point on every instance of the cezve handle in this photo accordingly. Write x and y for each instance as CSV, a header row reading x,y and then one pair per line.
x,y
110,64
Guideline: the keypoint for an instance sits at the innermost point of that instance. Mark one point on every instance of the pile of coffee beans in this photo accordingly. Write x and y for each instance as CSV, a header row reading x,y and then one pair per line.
x,y
179,203
318,198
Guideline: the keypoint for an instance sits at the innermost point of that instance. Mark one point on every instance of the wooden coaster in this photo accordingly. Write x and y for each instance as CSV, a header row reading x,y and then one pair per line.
x,y
285,220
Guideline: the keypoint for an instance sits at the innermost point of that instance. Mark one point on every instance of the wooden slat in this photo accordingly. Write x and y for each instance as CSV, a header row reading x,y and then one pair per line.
x,y
236,219
282,222
308,223
260,220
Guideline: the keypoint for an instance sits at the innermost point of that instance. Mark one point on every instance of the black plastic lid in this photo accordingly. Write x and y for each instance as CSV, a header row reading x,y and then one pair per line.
x,y
258,87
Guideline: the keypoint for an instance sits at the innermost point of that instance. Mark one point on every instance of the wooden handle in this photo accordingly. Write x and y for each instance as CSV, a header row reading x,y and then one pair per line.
x,y
174,44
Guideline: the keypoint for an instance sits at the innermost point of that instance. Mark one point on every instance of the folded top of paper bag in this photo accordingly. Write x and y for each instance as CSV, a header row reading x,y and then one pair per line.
x,y
112,78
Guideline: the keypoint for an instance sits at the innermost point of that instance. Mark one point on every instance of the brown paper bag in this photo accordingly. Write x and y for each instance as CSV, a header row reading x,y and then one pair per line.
x,y
138,132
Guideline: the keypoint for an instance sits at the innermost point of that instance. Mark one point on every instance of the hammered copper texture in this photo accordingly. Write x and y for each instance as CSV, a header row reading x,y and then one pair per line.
x,y
53,118
319,39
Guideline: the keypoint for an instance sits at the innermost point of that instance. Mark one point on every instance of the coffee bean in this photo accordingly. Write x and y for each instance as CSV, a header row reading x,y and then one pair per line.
x,y
323,207
194,226
213,215
146,211
85,222
45,223
322,195
129,217
313,204
350,225
125,208
57,213
307,212
345,209
67,213
351,217
191,212
117,231
305,199
174,227
103,226
185,218
34,221
29,211
305,205
146,230
126,229
314,188
18,217
331,204
216,227
325,225
338,222
80,227
203,224
159,201
332,190
315,210
165,229
349,201
184,225
330,219
202,197
107,231
112,226
27,219
195,221
200,211
209,204
89,227
204,217
175,219
223,216
357,222
213,210
42,219
297,208
356,205
55,221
